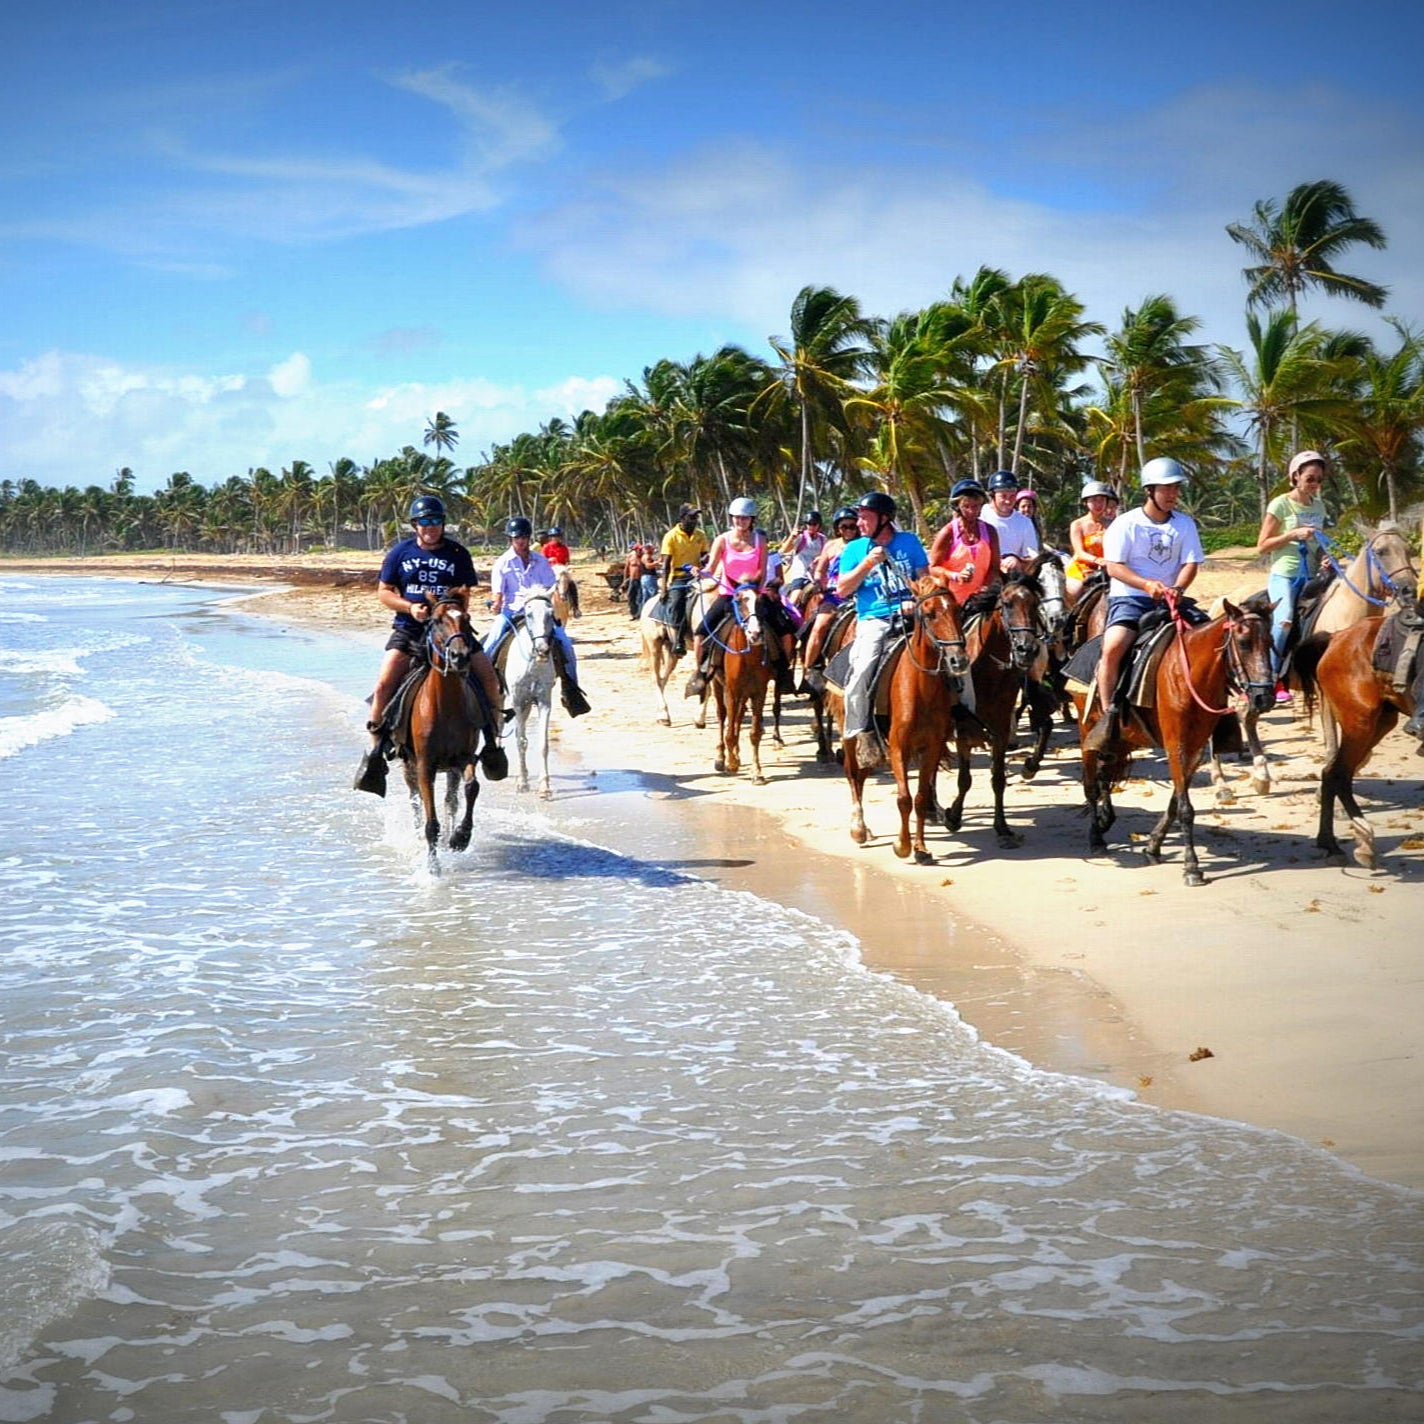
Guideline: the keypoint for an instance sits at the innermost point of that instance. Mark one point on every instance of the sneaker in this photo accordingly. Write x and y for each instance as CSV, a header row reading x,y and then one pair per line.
x,y
1282,694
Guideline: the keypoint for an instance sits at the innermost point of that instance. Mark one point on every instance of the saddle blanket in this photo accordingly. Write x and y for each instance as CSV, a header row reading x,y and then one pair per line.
x,y
1396,649
1080,673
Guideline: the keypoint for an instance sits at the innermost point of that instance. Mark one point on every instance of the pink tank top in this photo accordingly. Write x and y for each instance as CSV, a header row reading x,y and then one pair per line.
x,y
740,566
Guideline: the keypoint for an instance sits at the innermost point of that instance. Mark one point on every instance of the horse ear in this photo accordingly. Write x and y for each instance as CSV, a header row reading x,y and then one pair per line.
x,y
1230,609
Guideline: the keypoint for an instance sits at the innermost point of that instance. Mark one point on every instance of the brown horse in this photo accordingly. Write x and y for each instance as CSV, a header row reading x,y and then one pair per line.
x,y
740,683
1365,703
445,724
1198,669
1003,648
924,691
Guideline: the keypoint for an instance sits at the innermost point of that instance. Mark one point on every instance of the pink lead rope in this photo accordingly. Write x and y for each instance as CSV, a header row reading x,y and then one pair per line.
x,y
1171,597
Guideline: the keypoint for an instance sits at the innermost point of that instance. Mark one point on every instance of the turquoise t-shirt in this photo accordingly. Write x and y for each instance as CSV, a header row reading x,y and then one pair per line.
x,y
882,591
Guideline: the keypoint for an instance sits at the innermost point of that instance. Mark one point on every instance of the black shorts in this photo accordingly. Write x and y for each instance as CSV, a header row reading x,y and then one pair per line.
x,y
406,640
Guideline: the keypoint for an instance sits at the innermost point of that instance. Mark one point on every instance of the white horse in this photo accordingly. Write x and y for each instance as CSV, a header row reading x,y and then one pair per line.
x,y
530,674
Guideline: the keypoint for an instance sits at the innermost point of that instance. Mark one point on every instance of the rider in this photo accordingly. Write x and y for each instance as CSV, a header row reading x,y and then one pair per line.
x,y
1085,534
423,565
554,549
803,548
824,573
1018,538
738,558
877,568
1287,527
684,550
962,536
1026,502
1149,551
515,575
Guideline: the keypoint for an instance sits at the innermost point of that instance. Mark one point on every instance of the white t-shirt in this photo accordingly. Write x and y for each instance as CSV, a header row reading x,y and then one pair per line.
x,y
1151,551
804,553
1017,536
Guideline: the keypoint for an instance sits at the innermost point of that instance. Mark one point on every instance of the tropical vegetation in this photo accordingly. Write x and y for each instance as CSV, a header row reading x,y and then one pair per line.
x,y
1004,372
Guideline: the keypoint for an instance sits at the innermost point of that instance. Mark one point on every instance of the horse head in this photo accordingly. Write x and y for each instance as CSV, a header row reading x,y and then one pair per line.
x,y
1018,611
539,623
450,637
937,613
1389,570
744,609
1047,568
567,592
1247,646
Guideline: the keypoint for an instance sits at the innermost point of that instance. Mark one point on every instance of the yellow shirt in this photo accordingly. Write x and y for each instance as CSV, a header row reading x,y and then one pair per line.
x,y
685,549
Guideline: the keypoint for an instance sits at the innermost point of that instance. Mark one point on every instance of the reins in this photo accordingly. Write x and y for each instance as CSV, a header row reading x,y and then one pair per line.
x,y
437,652
942,645
1233,658
1372,561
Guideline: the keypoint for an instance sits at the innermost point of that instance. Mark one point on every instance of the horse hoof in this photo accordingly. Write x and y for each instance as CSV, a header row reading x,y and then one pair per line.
x,y
1225,796
951,821
923,857
546,793
903,851
859,835
1010,840
759,780
459,843
719,765
1261,787
1153,853
1029,772
664,721
1365,859
1193,877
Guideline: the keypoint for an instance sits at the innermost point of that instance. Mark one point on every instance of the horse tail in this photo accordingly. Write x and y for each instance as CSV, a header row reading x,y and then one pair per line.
x,y
1304,662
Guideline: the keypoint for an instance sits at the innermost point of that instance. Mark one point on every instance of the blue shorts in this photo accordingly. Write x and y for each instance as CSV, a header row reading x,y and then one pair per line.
x,y
1128,611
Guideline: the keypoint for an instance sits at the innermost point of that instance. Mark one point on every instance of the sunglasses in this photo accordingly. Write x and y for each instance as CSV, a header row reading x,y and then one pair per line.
x,y
428,523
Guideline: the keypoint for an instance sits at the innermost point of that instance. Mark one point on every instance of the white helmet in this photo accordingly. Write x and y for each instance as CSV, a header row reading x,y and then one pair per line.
x,y
741,506
1093,487
1162,471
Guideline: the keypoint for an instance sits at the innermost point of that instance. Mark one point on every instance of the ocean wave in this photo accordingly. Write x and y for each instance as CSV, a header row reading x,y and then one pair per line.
x,y
17,733
51,1266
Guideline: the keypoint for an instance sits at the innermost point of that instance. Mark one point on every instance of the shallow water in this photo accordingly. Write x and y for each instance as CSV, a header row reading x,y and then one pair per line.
x,y
290,1130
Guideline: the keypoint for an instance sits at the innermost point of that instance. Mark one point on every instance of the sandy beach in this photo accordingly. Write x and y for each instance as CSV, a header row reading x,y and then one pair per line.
x,y
1302,979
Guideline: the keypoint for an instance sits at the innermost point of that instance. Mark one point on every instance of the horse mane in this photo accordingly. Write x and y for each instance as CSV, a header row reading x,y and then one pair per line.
x,y
1025,578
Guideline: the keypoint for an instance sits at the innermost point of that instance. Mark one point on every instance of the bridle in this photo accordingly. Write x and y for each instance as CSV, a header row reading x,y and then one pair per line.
x,y
1236,676
539,642
1399,590
951,654
444,654
1024,641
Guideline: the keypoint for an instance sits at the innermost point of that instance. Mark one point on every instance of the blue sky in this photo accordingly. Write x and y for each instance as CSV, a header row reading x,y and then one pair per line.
x,y
238,233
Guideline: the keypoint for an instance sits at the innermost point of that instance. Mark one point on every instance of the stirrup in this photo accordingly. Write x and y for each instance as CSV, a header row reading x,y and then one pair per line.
x,y
371,776
575,703
494,761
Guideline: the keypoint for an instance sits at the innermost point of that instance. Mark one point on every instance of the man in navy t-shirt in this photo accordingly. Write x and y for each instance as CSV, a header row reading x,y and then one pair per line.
x,y
423,566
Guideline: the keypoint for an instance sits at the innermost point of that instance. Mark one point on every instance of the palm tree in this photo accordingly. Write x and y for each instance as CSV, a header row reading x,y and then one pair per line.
x,y
826,351
1289,376
441,432
1387,421
1295,242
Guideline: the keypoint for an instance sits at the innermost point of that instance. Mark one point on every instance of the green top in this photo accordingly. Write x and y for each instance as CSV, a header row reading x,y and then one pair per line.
x,y
1286,560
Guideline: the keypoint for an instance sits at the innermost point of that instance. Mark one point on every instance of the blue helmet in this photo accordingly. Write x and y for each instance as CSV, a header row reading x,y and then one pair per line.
x,y
963,487
555,532
1002,480
519,528
427,506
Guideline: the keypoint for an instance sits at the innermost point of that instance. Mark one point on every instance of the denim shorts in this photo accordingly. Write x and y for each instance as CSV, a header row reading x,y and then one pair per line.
x,y
1127,611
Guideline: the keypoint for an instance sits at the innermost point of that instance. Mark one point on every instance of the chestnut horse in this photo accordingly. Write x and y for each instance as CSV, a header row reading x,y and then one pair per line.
x,y
926,687
1365,705
445,724
1198,669
1003,648
739,683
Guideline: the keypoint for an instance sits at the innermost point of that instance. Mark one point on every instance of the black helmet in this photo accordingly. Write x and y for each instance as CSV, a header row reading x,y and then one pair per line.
x,y
519,528
846,511
427,506
813,516
966,486
555,532
879,501
1002,480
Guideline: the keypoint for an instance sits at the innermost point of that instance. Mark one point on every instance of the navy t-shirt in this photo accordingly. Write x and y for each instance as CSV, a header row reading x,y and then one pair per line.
x,y
415,572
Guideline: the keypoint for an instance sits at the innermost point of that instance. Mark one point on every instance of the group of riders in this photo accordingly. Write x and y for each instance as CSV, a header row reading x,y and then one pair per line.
x,y
1148,555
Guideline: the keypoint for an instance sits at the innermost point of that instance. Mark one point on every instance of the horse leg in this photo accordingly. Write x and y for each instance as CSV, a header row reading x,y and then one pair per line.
x,y
758,716
452,791
720,763
460,836
954,813
1153,849
425,781
776,716
546,785
664,665
521,742
1097,789
701,720
1040,718
732,743
924,796
1359,735
900,770
998,779
850,763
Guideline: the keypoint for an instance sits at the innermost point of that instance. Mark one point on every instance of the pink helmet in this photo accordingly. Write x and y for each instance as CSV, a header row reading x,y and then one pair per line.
x,y
1026,494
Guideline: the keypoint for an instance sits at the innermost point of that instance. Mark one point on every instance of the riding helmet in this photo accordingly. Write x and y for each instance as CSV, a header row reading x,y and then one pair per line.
x,y
963,487
427,506
813,516
1093,487
555,532
845,512
742,506
1002,480
1026,494
1162,471
519,528
878,501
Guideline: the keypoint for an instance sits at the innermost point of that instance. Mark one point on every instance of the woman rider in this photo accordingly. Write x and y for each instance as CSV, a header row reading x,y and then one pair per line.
x,y
737,558
1085,534
824,572
967,546
1286,533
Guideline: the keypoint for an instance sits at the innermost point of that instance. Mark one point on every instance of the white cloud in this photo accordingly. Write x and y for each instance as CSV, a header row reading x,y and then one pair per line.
x,y
735,231
617,78
72,419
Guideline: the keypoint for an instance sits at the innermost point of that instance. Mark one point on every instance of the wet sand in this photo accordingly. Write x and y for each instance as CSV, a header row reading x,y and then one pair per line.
x,y
1302,979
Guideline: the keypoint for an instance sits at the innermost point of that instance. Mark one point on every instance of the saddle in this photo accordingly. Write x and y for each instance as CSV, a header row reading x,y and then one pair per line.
x,y
838,670
1137,682
1395,654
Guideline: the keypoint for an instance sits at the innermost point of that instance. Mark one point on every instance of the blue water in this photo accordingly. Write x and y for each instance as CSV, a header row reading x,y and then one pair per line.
x,y
291,1130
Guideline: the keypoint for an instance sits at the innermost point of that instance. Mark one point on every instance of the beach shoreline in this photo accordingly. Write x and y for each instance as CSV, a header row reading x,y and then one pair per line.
x,y
1300,978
